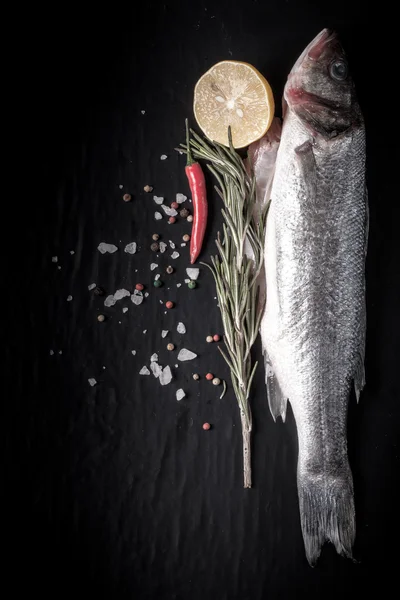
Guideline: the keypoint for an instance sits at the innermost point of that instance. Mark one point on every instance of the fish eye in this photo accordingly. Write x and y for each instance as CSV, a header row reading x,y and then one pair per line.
x,y
338,70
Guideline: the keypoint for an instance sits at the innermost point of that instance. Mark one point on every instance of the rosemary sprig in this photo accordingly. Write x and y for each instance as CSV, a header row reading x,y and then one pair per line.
x,y
235,274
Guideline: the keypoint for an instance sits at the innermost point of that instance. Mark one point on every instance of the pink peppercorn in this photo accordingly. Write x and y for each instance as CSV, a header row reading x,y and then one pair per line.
x,y
169,304
139,286
206,426
174,205
209,376
171,220
216,338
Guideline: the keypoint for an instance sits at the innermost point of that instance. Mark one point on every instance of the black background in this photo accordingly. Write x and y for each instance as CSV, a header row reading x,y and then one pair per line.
x,y
115,491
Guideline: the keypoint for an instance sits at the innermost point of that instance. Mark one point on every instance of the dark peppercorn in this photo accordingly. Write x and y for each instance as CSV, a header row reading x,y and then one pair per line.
x,y
155,247
98,291
184,213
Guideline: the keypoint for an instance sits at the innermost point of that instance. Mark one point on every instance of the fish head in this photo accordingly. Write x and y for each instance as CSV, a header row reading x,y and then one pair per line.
x,y
320,89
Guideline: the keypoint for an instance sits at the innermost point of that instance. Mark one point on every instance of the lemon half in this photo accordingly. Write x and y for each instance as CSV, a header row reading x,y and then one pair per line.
x,y
233,93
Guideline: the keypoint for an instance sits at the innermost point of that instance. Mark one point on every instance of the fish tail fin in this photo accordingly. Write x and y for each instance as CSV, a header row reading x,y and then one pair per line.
x,y
327,513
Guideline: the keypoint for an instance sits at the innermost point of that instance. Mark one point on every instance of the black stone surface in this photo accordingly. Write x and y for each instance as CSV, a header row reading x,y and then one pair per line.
x,y
116,491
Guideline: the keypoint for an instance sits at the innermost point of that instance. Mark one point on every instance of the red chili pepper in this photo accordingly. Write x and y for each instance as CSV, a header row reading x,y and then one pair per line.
x,y
197,185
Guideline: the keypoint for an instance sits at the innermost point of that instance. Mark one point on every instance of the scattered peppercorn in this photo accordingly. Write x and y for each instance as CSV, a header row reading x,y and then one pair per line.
x,y
155,247
184,213
148,188
209,376
216,381
126,197
155,237
170,347
157,283
209,339
172,220
206,426
189,219
169,304
216,337
186,237
192,285
101,318
169,269
196,376
98,291
174,205
139,286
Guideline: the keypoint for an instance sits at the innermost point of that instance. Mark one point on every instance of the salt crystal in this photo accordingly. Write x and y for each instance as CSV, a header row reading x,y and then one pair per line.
x,y
59,268
103,367
171,212
187,280
164,333
133,352
144,330
181,328
120,186
91,287
172,244
92,381
178,285
157,216
153,266
125,309
69,298
72,252
180,198
161,302
157,277
122,293
143,112
144,371
146,294
166,376
103,248
163,157
175,254
51,352
176,366
158,199
180,394
137,297
130,248
154,357
156,369
54,259
109,301
163,247
193,273
60,352
185,354
183,244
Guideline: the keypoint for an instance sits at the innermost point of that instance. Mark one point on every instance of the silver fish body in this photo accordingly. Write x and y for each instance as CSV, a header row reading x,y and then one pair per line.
x,y
313,328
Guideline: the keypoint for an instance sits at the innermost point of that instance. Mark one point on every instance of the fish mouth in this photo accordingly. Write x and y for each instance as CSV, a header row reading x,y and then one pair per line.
x,y
314,48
